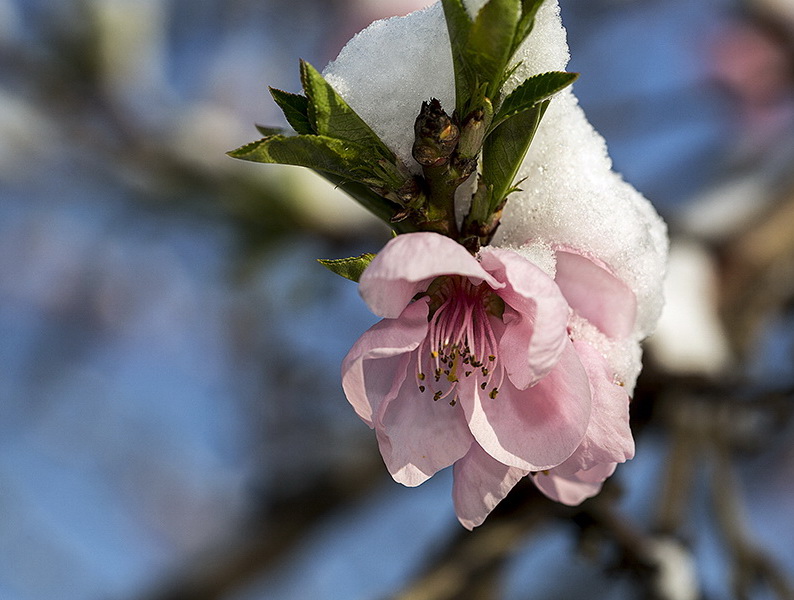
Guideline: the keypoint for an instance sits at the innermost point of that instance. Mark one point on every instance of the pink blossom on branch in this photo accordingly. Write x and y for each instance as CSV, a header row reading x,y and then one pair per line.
x,y
571,284
473,365
570,199
607,441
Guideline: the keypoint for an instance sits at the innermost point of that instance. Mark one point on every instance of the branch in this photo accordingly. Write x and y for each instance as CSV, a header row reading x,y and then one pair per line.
x,y
469,567
751,565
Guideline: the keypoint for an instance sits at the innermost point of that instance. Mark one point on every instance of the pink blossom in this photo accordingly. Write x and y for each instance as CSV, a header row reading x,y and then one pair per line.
x,y
608,439
472,365
596,294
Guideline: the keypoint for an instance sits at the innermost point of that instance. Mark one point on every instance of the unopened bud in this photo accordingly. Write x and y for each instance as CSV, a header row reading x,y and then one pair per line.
x,y
435,135
473,130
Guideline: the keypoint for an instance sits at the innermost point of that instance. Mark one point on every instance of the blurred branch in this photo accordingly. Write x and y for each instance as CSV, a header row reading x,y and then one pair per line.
x,y
230,564
712,426
469,568
149,152
758,272
677,483
751,565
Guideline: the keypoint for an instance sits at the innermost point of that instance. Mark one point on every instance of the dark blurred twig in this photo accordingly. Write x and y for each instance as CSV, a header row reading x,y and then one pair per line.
x,y
469,568
758,272
751,566
283,522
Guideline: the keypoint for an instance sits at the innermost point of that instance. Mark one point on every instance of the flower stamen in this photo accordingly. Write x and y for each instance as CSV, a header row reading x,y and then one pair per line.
x,y
461,332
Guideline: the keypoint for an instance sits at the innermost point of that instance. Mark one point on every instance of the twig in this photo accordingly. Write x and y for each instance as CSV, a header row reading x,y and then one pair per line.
x,y
677,484
751,565
470,566
231,563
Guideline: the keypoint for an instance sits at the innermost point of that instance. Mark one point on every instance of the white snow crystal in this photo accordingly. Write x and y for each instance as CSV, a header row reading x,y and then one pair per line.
x,y
386,71
570,197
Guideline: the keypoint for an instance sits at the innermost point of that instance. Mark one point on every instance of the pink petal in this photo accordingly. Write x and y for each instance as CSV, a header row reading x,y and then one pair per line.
x,y
608,438
408,264
596,294
537,317
371,370
419,436
576,488
537,428
480,484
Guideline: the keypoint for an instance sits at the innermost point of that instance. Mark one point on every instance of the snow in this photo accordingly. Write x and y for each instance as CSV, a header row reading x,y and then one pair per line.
x,y
570,198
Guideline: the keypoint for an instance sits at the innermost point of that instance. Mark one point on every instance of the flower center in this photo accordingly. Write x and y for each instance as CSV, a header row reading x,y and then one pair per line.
x,y
461,343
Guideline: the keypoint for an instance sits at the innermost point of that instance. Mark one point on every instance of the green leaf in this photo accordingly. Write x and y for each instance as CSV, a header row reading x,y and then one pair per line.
x,y
481,48
459,26
331,116
533,90
342,163
350,268
269,131
505,148
529,9
381,207
491,41
508,73
296,110
321,153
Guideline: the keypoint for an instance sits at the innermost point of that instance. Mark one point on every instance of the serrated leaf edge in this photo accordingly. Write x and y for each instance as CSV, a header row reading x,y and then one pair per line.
x,y
332,265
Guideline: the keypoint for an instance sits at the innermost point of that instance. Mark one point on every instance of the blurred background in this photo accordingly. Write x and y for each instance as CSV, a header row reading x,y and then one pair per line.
x,y
171,420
